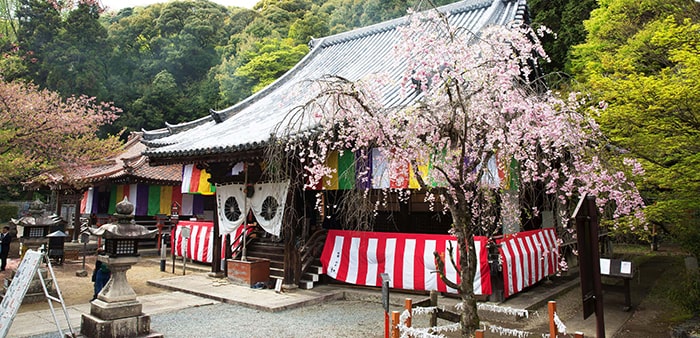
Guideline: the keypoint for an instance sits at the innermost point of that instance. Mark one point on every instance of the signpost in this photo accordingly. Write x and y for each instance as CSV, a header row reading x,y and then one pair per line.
x,y
586,215
163,252
385,301
621,269
185,233
84,238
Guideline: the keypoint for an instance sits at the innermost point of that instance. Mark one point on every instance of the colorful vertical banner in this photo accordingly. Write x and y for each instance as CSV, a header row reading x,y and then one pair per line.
x,y
380,170
346,170
412,180
148,200
87,201
153,199
196,181
186,208
142,201
331,182
399,175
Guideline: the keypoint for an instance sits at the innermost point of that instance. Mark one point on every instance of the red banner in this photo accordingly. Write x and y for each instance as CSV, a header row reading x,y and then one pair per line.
x,y
358,257
200,245
527,258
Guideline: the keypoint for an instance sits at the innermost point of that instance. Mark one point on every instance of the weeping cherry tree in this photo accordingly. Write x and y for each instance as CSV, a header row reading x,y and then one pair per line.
x,y
477,101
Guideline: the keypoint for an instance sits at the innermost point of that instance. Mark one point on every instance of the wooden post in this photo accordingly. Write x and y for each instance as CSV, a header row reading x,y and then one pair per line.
x,y
408,304
578,335
433,303
479,333
552,308
395,318
387,323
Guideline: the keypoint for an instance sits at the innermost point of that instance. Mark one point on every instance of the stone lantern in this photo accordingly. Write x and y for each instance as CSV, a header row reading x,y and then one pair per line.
x,y
116,312
35,226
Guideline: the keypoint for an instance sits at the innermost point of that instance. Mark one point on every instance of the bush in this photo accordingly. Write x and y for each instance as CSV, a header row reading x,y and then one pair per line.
x,y
687,292
8,211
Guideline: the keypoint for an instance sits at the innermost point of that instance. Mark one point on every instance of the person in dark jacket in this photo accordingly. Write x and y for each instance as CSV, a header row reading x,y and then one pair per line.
x,y
100,276
5,240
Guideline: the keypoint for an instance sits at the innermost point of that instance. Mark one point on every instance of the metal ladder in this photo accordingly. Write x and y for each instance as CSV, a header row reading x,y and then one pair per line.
x,y
50,298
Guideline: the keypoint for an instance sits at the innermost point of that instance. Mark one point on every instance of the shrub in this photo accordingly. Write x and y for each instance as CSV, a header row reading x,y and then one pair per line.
x,y
687,292
8,211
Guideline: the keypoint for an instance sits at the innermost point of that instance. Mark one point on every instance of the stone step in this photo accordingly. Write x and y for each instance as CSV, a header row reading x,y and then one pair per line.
x,y
306,284
311,276
315,269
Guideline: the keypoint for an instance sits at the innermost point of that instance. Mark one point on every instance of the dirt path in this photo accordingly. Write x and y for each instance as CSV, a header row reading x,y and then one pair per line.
x,y
79,290
654,314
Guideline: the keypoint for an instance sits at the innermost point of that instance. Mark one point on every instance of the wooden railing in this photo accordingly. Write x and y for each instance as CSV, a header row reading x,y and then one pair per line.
x,y
312,248
237,250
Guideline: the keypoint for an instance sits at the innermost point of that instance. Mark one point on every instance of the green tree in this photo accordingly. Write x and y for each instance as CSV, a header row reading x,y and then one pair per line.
x,y
39,26
264,63
642,59
79,54
312,25
565,19
182,39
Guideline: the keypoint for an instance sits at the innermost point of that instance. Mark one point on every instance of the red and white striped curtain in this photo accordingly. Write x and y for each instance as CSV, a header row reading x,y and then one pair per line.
x,y
200,245
358,257
528,257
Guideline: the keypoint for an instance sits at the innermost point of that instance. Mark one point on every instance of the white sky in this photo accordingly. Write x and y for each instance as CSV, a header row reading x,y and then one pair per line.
x,y
118,4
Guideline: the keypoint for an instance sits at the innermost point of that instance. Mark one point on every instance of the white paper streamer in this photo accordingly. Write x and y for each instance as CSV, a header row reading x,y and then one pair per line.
x,y
429,332
508,332
404,316
561,328
503,309
424,310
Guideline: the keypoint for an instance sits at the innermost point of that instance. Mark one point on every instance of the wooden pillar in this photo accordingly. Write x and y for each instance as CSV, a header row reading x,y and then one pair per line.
x,y
292,264
433,303
408,305
552,309
76,219
395,318
218,173
216,255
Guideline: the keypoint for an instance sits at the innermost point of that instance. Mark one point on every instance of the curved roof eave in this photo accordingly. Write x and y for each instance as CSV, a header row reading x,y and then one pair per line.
x,y
248,124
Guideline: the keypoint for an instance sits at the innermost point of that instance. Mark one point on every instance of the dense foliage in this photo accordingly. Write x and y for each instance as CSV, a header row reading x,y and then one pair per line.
x,y
642,58
172,61
565,19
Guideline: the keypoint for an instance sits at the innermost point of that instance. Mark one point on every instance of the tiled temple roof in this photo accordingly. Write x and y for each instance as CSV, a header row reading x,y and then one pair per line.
x,y
354,55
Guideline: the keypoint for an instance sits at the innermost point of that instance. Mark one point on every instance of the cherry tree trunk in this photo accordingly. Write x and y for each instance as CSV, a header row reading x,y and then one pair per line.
x,y
469,318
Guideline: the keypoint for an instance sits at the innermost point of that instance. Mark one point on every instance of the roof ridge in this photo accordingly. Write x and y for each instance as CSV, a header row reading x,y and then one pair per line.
x,y
378,28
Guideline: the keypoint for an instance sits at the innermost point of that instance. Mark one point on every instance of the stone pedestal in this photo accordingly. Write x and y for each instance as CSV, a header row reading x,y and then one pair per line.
x,y
35,292
116,313
248,272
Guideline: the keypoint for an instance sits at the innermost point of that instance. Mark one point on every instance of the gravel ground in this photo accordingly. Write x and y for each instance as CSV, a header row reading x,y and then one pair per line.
x,y
343,318
336,319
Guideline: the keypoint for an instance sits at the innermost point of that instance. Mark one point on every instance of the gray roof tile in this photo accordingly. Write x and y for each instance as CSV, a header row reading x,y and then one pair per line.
x,y
352,55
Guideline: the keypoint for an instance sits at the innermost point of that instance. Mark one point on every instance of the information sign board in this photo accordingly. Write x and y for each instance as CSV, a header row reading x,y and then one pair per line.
x,y
18,289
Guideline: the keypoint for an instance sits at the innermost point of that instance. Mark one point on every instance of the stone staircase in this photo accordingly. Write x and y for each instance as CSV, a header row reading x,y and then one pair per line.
x,y
265,248
311,275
